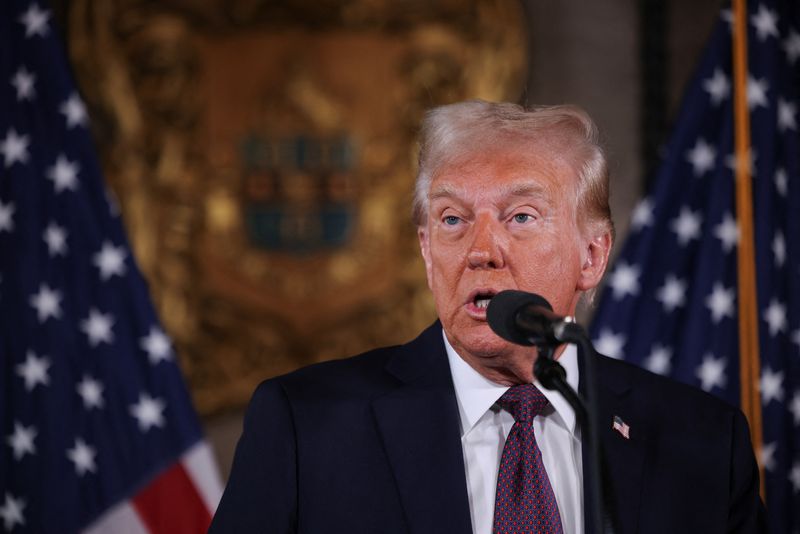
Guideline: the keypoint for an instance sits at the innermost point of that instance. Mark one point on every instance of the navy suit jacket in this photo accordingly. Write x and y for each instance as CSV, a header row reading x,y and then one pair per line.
x,y
371,444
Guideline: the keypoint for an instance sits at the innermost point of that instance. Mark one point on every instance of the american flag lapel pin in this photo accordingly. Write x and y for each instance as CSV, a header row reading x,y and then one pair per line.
x,y
622,427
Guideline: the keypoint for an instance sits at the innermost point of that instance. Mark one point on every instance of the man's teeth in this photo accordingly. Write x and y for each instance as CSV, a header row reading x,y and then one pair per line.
x,y
482,303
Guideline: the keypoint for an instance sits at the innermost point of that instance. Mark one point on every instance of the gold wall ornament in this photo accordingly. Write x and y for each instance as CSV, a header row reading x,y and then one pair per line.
x,y
263,154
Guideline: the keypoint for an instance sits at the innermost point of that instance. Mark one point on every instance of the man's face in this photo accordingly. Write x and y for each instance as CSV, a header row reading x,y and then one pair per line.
x,y
503,218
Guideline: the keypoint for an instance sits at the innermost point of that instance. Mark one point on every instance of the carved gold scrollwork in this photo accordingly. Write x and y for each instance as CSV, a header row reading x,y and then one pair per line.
x,y
263,156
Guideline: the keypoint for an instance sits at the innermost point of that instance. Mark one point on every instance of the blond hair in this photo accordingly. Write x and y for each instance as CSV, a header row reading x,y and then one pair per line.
x,y
449,132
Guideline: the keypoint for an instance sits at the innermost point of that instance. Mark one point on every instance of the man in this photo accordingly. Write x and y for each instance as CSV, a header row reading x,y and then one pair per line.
x,y
428,437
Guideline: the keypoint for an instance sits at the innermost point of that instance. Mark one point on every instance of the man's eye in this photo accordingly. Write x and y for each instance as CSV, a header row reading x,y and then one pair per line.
x,y
522,217
451,220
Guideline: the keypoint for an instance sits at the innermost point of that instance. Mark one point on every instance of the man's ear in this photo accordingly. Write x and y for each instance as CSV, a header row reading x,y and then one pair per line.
x,y
595,261
425,249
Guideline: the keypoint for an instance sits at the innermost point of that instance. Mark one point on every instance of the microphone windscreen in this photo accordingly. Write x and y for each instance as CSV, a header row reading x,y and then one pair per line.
x,y
502,313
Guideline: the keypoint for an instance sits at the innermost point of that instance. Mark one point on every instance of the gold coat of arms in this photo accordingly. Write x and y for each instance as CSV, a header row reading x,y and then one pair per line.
x,y
263,156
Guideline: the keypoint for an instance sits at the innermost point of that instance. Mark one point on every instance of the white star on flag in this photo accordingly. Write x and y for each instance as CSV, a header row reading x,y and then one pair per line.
x,y
779,249
794,407
624,280
35,21
148,412
712,372
14,148
11,512
23,81
97,327
56,238
610,344
82,455
21,441
91,391
47,303
642,215
791,45
702,157
757,93
6,217
786,115
728,232
659,360
34,370
64,174
687,225
718,87
672,294
765,23
156,344
781,182
794,477
110,260
720,302
766,456
771,385
728,16
775,316
732,162
113,205
74,110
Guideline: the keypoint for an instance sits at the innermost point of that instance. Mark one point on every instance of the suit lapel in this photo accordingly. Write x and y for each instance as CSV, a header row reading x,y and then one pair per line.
x,y
418,423
624,457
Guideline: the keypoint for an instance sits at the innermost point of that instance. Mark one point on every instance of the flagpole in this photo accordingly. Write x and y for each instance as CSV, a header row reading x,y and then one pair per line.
x,y
749,360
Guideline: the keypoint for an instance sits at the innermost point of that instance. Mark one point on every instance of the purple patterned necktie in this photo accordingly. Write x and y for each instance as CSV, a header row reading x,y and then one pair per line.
x,y
525,502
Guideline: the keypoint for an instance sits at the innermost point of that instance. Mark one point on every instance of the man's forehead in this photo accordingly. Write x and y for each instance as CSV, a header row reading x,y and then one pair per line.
x,y
520,187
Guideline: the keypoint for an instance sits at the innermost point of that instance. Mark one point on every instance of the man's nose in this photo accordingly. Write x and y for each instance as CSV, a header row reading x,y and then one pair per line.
x,y
486,250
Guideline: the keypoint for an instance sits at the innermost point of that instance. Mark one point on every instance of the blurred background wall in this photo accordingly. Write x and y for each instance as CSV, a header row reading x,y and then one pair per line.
x,y
263,151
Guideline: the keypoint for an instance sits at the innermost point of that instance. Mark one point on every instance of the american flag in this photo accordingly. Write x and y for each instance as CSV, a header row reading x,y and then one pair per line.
x,y
670,304
98,432
622,427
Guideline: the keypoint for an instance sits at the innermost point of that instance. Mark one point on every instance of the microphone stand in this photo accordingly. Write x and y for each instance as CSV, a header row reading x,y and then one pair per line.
x,y
552,376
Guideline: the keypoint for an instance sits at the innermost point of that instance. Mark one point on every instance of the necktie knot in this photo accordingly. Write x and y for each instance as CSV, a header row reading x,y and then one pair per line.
x,y
523,402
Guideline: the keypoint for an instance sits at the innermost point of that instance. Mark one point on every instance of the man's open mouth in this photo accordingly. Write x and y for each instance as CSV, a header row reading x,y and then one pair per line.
x,y
482,298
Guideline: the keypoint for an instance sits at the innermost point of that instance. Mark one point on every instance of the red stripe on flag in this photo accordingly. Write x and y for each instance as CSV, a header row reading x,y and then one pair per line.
x,y
171,504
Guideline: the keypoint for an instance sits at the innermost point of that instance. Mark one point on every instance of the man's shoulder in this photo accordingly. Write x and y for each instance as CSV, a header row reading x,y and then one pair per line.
x,y
367,373
364,373
654,390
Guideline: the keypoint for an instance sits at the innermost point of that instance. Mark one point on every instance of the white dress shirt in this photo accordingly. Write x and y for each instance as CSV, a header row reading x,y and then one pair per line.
x,y
484,428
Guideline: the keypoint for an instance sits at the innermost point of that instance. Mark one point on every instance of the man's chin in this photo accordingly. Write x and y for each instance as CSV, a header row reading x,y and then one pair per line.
x,y
482,345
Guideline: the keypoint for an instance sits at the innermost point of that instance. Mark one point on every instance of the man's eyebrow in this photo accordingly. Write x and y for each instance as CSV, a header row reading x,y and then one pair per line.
x,y
524,190
444,191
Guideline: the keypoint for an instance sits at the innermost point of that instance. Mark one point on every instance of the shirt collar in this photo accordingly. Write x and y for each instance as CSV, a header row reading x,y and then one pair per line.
x,y
476,394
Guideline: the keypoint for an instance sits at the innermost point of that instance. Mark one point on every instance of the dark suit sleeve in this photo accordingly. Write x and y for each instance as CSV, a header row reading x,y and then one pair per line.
x,y
261,494
746,514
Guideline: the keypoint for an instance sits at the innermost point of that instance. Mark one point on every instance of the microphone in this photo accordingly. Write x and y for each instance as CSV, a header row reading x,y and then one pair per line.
x,y
526,319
